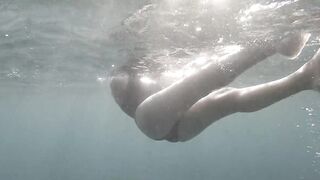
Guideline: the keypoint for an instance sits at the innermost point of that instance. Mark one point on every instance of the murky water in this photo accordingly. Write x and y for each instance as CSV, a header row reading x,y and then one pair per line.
x,y
59,121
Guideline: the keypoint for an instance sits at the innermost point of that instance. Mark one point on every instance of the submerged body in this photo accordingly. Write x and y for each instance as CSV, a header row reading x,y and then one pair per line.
x,y
182,110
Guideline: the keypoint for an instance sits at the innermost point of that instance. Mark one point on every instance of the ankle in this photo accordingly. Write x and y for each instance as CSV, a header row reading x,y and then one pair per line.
x,y
306,77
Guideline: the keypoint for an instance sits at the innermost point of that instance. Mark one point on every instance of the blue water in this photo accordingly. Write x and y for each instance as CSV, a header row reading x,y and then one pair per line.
x,y
59,121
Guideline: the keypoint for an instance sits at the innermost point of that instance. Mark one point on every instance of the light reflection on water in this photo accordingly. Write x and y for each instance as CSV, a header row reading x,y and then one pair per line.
x,y
58,121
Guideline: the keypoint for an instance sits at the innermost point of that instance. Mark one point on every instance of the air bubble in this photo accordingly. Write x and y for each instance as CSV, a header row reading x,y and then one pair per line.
x,y
198,29
309,109
101,79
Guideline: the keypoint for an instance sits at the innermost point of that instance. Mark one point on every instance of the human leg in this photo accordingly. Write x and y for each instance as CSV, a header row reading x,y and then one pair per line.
x,y
160,112
220,104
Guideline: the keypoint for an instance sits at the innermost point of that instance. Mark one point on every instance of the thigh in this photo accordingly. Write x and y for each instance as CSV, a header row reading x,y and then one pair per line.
x,y
159,121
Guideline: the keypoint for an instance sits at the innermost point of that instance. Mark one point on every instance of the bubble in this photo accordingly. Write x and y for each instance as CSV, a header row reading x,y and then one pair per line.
x,y
15,73
309,109
198,29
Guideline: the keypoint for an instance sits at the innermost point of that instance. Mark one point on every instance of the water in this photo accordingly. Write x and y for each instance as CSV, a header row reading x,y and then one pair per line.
x,y
58,120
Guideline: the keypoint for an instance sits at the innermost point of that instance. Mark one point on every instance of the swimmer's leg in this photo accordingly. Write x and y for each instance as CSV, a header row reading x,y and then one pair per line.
x,y
160,112
219,104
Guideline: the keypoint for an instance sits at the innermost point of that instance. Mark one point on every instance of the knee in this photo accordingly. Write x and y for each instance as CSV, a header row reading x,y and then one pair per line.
x,y
244,102
234,99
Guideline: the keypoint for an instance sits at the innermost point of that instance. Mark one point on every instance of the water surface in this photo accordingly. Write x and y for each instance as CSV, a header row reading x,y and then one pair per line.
x,y
59,121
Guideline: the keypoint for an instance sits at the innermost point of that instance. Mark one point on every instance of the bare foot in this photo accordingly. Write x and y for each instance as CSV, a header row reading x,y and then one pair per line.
x,y
292,45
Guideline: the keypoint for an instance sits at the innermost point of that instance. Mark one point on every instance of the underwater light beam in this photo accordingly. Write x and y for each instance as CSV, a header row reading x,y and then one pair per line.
x,y
215,2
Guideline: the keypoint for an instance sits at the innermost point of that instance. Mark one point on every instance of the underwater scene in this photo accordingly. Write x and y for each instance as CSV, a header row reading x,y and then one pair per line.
x,y
60,121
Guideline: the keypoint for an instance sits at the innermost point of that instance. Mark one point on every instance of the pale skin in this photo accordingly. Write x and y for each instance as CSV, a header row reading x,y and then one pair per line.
x,y
195,102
